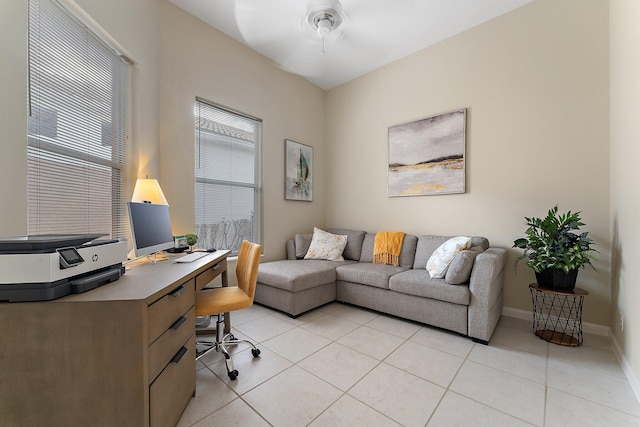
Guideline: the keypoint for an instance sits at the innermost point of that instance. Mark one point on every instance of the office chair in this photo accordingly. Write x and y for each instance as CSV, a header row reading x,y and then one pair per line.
x,y
220,300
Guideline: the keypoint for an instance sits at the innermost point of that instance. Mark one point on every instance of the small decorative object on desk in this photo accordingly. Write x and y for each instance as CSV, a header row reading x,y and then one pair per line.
x,y
192,239
553,249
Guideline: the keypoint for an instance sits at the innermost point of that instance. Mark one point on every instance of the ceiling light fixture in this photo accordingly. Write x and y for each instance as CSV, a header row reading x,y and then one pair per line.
x,y
325,17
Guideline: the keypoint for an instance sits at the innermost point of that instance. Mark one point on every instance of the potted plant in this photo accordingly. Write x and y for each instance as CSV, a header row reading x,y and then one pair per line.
x,y
192,239
554,249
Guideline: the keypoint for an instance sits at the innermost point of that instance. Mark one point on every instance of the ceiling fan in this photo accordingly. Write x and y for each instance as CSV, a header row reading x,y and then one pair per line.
x,y
327,18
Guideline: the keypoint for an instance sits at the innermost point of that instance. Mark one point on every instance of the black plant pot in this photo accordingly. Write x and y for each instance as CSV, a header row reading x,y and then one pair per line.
x,y
557,279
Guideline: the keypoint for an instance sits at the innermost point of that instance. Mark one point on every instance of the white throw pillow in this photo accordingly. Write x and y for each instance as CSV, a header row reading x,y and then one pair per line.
x,y
327,246
440,259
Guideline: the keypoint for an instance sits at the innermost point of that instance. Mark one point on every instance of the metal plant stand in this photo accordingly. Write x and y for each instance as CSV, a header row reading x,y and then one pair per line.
x,y
557,315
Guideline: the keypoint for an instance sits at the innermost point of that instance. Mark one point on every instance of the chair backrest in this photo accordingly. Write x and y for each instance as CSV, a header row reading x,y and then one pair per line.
x,y
247,267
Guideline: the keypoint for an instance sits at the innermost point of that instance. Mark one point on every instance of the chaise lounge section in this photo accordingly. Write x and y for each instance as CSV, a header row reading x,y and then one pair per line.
x,y
467,300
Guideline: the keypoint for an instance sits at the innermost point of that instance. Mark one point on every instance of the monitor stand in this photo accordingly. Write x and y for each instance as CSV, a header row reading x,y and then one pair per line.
x,y
157,256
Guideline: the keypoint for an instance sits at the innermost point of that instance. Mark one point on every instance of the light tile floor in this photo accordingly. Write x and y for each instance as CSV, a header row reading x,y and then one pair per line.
x,y
340,365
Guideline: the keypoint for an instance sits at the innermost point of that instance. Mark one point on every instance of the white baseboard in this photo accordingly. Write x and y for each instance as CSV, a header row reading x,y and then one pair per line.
x,y
517,313
591,328
595,329
626,367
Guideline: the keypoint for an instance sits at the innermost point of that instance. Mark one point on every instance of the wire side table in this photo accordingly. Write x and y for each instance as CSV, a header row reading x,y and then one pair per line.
x,y
557,315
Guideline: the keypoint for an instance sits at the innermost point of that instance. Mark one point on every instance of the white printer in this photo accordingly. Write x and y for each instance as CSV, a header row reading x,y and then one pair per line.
x,y
46,267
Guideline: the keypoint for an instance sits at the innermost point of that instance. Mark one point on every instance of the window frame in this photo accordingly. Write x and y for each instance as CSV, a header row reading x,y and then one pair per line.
x,y
43,144
256,185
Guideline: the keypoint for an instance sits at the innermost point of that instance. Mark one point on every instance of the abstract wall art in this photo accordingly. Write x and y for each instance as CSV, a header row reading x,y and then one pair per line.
x,y
427,156
298,171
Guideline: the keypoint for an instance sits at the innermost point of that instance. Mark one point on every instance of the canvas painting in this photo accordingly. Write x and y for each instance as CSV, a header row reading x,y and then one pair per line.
x,y
427,156
299,171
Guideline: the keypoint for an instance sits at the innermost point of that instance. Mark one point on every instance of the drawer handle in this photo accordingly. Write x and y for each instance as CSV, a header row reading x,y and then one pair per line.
x,y
177,292
179,355
215,267
178,323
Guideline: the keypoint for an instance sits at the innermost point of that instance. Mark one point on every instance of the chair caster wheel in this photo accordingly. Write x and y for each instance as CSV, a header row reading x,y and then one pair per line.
x,y
232,337
255,352
233,374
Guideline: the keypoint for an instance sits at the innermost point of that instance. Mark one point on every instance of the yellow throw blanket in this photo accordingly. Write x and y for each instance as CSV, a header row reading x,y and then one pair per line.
x,y
387,247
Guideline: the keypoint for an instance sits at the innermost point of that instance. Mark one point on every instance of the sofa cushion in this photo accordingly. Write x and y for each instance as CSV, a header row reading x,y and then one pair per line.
x,y
438,262
459,270
326,246
354,242
406,254
418,282
303,241
367,273
297,275
429,243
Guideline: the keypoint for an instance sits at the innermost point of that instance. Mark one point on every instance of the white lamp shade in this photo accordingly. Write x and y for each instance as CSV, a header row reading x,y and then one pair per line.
x,y
148,191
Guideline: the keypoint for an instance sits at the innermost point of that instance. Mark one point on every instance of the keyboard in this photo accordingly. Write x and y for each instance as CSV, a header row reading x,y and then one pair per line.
x,y
192,256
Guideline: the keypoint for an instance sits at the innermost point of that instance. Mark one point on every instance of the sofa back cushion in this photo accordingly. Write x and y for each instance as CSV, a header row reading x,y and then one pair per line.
x,y
428,244
406,254
302,241
354,242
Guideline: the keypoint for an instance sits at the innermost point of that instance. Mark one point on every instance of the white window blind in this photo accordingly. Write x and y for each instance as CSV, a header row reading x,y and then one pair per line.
x,y
78,127
227,177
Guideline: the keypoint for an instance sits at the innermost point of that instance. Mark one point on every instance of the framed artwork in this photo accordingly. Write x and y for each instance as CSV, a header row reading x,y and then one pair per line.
x,y
427,156
298,171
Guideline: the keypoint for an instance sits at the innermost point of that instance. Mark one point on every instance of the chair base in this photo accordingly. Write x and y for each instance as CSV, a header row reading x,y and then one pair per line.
x,y
220,345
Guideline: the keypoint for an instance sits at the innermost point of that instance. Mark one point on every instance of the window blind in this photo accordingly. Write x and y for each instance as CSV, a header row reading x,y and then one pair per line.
x,y
78,127
227,177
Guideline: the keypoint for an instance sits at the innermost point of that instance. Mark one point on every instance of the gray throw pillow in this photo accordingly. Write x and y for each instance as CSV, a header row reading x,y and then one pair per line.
x,y
302,241
354,241
459,271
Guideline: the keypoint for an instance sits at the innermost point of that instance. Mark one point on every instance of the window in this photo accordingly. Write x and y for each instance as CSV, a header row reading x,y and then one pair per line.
x,y
227,159
78,126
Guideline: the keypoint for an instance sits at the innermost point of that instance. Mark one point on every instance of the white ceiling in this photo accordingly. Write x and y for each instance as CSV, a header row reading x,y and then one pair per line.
x,y
376,32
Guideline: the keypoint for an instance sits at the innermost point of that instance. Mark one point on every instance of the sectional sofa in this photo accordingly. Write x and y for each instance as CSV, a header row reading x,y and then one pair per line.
x,y
467,300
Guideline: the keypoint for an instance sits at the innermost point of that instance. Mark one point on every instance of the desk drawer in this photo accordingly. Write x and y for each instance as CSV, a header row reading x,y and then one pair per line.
x,y
165,347
207,276
170,393
164,312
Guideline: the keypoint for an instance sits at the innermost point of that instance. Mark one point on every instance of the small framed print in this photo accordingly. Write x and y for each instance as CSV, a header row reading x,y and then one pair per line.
x,y
180,242
298,171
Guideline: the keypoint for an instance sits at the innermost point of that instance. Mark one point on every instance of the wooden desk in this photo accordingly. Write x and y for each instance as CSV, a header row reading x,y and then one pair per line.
x,y
119,355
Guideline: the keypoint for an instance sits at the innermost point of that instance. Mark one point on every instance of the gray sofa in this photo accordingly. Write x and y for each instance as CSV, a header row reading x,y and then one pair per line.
x,y
468,300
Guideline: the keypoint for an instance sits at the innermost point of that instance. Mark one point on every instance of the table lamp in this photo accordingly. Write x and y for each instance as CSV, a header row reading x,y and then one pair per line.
x,y
148,190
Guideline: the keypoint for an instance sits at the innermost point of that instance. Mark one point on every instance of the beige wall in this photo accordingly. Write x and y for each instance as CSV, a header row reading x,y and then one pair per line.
x,y
625,176
13,117
198,61
535,83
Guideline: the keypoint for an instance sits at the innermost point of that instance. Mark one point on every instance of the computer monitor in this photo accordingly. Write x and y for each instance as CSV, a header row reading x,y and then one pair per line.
x,y
150,228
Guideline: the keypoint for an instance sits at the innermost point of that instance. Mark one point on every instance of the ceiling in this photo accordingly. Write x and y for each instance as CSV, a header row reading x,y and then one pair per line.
x,y
374,32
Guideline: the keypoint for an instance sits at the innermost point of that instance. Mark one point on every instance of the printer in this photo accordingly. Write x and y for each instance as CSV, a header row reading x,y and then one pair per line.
x,y
45,267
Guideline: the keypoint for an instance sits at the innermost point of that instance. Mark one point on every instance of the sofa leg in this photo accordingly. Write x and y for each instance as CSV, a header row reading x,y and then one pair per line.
x,y
479,341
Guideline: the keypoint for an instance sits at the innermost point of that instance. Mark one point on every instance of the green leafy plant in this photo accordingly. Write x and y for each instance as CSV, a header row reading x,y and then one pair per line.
x,y
192,238
553,242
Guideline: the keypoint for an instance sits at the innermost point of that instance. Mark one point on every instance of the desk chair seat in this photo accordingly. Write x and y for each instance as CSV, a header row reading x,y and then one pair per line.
x,y
220,300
